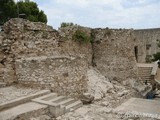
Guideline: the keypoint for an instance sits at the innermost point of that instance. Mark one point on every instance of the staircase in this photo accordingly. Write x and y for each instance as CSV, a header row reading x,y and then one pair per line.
x,y
48,103
59,105
144,72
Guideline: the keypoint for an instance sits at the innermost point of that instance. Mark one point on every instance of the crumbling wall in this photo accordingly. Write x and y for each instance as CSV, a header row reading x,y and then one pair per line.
x,y
46,59
148,43
114,53
34,54
7,69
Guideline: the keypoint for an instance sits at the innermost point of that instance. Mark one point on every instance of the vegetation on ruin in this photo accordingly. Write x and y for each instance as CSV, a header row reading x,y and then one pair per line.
x,y
81,37
156,57
65,24
28,10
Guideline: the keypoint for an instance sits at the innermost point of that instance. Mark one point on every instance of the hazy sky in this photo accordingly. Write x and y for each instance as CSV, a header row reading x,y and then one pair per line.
x,y
103,13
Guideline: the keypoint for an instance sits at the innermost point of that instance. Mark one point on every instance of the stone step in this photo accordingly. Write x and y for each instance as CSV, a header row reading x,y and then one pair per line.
x,y
140,71
24,111
73,106
145,72
145,77
145,69
139,107
57,99
22,100
147,81
59,105
48,96
66,102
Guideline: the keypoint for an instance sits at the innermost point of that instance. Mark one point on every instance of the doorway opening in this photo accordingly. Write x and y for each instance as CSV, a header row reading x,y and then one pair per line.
x,y
136,52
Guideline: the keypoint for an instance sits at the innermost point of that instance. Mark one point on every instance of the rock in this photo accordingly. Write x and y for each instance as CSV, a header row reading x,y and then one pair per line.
x,y
82,111
124,92
140,87
104,110
98,85
87,98
42,117
105,103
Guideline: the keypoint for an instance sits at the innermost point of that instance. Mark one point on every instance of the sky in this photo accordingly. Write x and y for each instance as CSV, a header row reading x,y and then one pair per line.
x,y
137,14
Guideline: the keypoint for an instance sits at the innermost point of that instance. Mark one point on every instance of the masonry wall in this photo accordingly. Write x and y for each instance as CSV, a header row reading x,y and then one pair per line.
x,y
46,59
34,54
114,53
148,43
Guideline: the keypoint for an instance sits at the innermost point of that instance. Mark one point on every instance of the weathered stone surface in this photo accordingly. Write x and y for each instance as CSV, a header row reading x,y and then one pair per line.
x,y
98,85
114,53
87,98
147,42
34,54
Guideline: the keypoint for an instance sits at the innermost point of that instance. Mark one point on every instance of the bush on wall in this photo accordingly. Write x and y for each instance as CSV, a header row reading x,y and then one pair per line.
x,y
81,37
156,57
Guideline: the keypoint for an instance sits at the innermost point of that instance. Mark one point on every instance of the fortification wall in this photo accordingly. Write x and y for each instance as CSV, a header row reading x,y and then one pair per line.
x,y
114,53
148,43
34,54
44,58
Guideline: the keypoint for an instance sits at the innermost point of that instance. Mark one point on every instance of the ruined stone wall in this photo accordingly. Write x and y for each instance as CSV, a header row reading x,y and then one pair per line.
x,y
114,53
148,43
34,54
44,58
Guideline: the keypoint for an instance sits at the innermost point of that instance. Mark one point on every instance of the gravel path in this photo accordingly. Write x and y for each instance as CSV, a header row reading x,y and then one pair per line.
x,y
13,92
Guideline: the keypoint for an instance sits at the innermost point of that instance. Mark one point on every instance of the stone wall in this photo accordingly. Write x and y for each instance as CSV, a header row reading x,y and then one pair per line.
x,y
148,43
114,53
34,54
44,58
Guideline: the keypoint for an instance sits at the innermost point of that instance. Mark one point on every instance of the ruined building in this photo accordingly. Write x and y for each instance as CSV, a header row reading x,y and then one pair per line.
x,y
147,44
75,61
34,54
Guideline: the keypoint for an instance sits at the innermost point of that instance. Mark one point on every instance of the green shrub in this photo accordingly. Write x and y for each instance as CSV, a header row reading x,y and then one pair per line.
x,y
81,37
64,24
156,57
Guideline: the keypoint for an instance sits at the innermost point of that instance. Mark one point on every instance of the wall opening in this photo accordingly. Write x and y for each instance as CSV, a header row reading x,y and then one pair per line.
x,y
136,52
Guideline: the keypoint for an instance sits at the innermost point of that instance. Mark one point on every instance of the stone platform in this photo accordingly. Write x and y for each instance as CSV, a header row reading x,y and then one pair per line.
x,y
138,107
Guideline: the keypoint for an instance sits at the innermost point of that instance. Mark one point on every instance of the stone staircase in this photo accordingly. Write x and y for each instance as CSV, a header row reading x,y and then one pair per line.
x,y
59,105
144,72
33,106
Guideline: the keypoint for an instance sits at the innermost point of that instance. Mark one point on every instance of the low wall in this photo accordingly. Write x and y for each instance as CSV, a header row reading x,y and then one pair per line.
x,y
64,75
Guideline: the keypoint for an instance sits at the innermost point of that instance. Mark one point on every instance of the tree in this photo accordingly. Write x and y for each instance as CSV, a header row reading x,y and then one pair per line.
x,y
156,57
65,24
29,10
42,17
7,10
32,12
